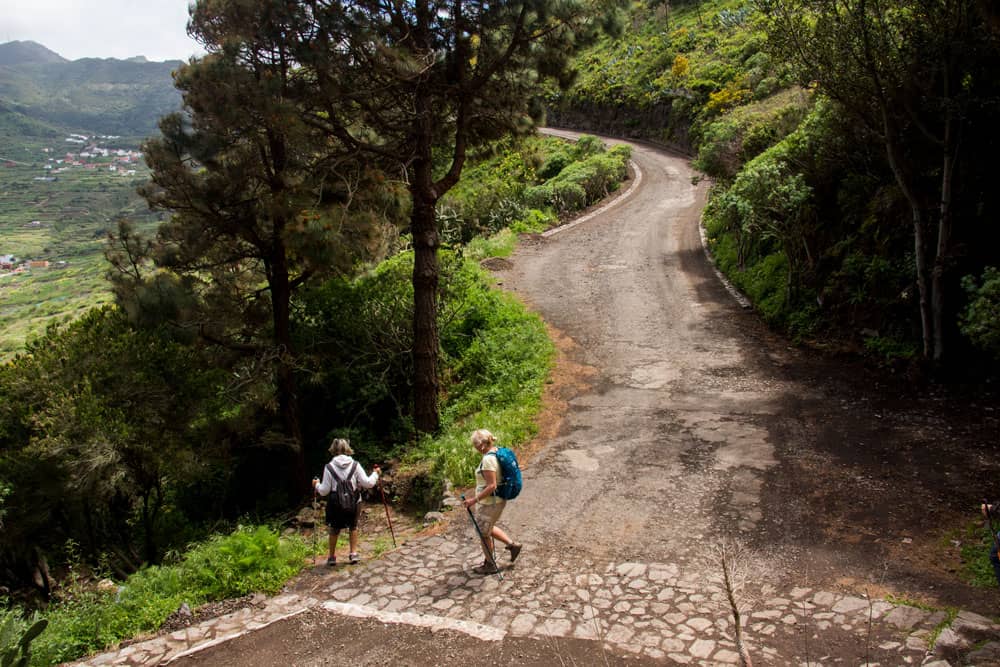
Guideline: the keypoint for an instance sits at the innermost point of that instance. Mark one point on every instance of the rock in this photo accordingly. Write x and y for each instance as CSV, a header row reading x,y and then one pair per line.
x,y
986,655
184,611
106,586
905,618
451,502
433,517
306,517
949,639
974,627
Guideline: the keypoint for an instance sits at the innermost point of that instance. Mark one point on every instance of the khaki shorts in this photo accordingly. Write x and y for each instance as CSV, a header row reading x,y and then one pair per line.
x,y
487,517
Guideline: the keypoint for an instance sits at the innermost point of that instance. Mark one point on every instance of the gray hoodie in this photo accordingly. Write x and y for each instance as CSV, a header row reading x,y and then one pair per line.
x,y
342,464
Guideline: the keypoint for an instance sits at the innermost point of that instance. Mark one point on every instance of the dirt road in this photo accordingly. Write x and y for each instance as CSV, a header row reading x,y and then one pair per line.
x,y
686,423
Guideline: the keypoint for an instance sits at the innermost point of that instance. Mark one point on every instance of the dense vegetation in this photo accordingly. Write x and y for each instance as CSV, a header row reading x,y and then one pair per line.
x,y
848,144
123,442
298,290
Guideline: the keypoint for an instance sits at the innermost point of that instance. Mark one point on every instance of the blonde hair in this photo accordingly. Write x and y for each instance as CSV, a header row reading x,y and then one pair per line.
x,y
481,436
341,446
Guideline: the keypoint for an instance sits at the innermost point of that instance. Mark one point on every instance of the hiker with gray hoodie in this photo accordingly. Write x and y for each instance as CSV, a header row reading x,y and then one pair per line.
x,y
343,479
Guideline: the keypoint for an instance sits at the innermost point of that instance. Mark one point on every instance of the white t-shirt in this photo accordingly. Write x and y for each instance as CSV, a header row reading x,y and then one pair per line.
x,y
488,462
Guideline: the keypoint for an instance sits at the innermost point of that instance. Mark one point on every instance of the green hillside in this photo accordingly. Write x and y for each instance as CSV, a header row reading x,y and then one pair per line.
x,y
20,53
851,172
105,96
54,112
62,220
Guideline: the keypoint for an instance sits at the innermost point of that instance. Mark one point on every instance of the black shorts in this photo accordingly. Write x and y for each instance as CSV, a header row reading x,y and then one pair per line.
x,y
338,519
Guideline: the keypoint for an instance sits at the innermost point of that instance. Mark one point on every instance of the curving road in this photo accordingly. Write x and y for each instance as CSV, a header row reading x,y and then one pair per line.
x,y
667,453
685,423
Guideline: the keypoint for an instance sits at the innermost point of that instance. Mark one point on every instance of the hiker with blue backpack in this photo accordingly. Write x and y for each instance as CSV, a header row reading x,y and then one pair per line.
x,y
343,479
493,490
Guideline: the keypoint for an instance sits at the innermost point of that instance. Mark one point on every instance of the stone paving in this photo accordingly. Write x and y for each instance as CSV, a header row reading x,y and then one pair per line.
x,y
657,610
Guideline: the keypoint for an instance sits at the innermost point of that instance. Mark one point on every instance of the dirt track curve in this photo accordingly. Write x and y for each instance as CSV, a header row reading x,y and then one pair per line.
x,y
686,422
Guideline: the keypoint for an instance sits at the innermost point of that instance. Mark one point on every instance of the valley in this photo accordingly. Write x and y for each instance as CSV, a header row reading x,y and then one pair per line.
x,y
59,198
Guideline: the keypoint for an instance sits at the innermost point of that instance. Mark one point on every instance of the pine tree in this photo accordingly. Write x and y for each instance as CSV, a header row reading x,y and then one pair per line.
x,y
260,205
416,85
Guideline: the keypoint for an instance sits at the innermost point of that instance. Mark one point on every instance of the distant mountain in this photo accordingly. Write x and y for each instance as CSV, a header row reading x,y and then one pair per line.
x,y
24,53
17,125
90,95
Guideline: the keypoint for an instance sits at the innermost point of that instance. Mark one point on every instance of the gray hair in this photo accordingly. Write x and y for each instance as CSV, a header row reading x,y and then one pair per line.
x,y
481,436
341,446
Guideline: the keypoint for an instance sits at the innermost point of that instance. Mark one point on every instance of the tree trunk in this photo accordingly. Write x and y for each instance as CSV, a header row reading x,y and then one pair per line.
x,y
425,291
288,402
944,236
423,226
919,242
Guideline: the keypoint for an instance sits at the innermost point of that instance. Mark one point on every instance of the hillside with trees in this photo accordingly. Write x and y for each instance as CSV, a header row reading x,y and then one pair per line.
x,y
848,144
90,95
275,304
322,188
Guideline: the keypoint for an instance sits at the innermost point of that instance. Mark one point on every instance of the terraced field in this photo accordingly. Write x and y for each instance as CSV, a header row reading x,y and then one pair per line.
x,y
63,220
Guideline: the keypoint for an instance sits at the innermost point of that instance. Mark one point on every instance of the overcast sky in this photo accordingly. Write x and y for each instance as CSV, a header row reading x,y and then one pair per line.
x,y
101,28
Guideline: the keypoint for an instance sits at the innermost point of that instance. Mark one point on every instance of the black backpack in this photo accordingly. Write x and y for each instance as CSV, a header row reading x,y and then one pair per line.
x,y
343,494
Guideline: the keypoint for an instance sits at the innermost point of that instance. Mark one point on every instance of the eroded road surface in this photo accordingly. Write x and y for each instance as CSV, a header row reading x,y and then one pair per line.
x,y
687,426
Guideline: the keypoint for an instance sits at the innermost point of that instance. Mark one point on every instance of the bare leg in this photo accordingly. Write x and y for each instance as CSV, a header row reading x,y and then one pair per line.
x,y
354,540
512,546
334,534
500,535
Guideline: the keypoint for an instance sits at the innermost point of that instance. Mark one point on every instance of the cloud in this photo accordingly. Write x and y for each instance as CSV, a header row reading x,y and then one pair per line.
x,y
76,29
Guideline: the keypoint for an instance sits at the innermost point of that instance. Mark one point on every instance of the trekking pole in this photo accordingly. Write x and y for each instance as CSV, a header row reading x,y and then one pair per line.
x,y
386,505
315,506
989,524
482,538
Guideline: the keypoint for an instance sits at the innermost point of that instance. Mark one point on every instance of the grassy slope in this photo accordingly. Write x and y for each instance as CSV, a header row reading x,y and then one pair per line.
x,y
75,213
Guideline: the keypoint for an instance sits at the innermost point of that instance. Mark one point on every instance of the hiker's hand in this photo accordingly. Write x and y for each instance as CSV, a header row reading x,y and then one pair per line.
x,y
376,468
315,482
469,502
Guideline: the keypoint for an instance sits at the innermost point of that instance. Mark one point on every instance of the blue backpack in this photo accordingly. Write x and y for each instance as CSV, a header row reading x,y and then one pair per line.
x,y
510,471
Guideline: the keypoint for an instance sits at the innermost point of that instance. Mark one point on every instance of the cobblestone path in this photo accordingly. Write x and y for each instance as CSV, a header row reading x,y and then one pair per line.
x,y
656,610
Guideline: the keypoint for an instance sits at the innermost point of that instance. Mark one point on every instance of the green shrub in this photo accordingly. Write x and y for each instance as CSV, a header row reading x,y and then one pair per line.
x,y
248,560
586,146
890,348
534,221
539,196
499,357
16,635
568,197
596,176
980,321
555,163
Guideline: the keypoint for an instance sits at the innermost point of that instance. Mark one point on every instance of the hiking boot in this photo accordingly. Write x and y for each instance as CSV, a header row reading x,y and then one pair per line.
x,y
515,550
354,559
485,568
331,561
